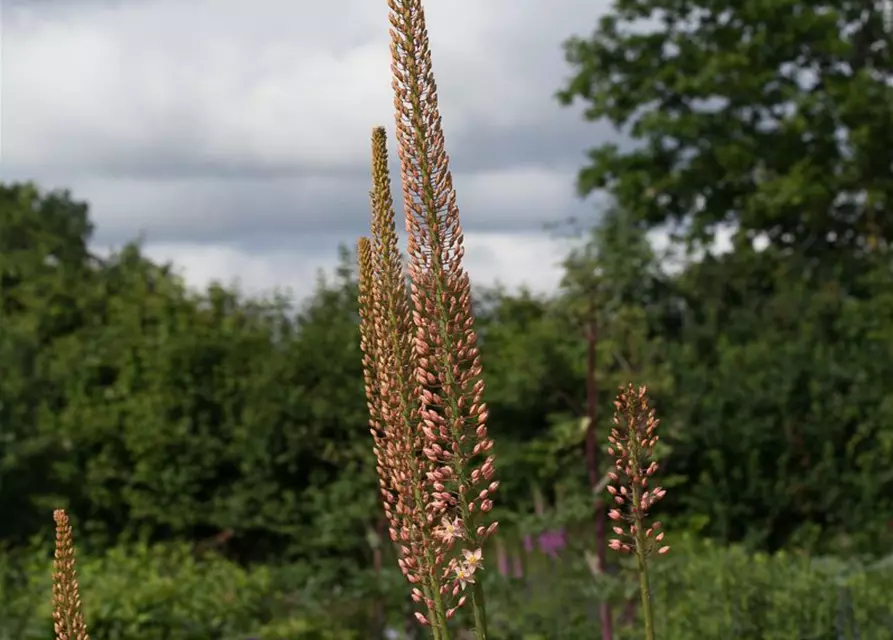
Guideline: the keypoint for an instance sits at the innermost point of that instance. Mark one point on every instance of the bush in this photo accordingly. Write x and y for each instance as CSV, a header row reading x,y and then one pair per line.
x,y
703,590
162,593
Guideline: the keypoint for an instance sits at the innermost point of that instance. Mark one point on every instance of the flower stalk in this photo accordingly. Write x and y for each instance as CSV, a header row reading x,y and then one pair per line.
x,y
68,618
421,359
392,389
632,441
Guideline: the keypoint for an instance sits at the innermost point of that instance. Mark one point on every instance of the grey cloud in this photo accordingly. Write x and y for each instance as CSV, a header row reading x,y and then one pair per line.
x,y
258,210
277,90
247,126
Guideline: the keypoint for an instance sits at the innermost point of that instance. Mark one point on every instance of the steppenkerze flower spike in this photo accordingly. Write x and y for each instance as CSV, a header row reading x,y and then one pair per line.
x,y
632,441
68,619
421,360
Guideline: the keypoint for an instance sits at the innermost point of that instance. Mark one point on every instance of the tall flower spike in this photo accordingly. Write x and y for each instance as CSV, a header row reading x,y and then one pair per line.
x,y
68,619
448,361
632,443
392,391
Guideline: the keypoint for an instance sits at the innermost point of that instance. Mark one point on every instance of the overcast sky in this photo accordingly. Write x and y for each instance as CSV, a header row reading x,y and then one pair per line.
x,y
234,135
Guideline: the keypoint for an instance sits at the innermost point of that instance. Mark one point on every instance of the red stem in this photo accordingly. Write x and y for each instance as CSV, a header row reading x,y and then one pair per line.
x,y
592,462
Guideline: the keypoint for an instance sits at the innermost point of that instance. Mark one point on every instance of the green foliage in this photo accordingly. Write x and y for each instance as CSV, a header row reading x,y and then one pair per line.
x,y
771,115
158,413
783,427
150,411
771,118
715,592
701,591
166,593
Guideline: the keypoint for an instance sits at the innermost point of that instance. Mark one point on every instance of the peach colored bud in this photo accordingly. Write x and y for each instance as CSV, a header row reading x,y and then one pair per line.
x,y
615,514
663,550
422,619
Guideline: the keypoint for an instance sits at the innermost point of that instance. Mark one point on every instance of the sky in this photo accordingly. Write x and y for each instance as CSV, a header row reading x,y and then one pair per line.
x,y
233,137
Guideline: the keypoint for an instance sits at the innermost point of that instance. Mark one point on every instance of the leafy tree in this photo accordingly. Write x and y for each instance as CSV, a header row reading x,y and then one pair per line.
x,y
44,263
774,116
782,423
153,411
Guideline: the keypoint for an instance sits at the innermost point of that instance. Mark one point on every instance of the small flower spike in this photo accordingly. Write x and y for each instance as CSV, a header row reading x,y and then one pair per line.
x,y
632,442
68,619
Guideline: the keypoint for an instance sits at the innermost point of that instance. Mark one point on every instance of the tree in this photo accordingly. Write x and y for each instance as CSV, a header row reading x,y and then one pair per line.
x,y
44,266
782,421
149,409
774,116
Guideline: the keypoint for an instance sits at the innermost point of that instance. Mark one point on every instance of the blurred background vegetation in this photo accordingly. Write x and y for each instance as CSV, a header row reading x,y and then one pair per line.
x,y
212,447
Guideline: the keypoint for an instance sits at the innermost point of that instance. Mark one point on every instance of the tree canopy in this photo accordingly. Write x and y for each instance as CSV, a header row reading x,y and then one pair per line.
x,y
776,117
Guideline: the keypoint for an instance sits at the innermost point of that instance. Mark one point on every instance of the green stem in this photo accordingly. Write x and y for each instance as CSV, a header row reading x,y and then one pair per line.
x,y
480,612
644,586
436,612
437,633
441,624
434,622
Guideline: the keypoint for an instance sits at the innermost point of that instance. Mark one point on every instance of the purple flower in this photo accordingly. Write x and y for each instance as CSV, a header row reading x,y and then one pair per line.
x,y
551,542
502,561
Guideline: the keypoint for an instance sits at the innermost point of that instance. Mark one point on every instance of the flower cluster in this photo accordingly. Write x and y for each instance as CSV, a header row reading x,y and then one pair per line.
x,y
462,567
421,358
68,619
632,441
